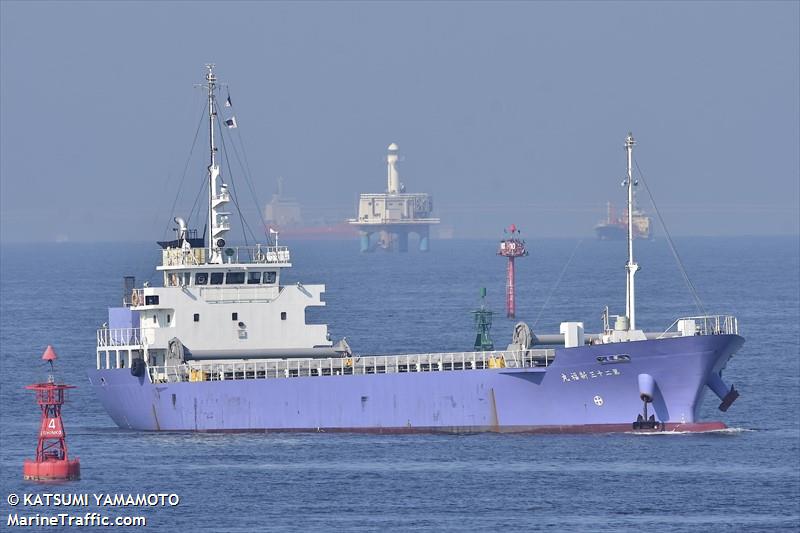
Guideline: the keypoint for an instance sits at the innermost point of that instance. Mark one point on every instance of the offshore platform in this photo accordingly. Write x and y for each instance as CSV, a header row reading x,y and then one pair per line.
x,y
394,214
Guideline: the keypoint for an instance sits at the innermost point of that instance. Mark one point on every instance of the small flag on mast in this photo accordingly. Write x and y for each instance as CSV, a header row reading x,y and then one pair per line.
x,y
228,101
231,123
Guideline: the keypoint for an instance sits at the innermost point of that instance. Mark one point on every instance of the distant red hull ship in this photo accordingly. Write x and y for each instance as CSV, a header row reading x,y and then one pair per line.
x,y
615,228
323,232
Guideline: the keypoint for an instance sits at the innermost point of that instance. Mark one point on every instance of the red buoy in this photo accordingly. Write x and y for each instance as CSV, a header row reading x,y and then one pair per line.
x,y
52,461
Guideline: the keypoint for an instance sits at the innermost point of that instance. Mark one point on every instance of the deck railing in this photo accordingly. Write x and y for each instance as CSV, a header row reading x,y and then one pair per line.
x,y
120,337
705,325
258,254
355,365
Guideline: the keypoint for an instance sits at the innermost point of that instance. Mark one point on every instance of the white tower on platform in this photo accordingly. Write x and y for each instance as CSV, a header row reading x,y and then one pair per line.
x,y
393,186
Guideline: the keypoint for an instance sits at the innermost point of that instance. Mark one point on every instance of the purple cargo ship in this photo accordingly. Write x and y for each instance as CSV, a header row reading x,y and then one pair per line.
x,y
223,346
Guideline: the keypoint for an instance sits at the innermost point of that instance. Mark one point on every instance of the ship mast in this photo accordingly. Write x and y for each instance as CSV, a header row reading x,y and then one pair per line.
x,y
218,223
211,80
630,267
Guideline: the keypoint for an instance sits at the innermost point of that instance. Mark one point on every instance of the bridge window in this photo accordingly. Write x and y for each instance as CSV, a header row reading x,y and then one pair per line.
x,y
253,278
151,299
269,277
217,278
201,278
234,278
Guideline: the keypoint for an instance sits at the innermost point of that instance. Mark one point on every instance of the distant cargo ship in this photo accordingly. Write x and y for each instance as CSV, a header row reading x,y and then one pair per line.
x,y
342,230
615,228
283,215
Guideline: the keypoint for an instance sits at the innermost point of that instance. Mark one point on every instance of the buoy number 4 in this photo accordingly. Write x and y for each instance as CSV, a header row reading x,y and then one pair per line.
x,y
51,428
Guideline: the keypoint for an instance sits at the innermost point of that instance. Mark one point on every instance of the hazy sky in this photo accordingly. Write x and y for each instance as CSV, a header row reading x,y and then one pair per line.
x,y
505,112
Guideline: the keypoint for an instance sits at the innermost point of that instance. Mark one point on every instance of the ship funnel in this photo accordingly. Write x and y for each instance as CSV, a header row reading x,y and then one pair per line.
x,y
183,229
128,284
647,387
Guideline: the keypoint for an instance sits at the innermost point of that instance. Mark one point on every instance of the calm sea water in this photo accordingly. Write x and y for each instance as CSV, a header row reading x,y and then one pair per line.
x,y
746,479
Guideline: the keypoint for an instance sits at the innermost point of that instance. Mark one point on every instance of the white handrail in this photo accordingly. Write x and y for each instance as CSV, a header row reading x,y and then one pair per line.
x,y
709,325
258,254
354,365
121,337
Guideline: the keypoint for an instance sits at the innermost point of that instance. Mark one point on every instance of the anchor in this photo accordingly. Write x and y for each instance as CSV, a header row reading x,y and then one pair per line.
x,y
728,396
646,391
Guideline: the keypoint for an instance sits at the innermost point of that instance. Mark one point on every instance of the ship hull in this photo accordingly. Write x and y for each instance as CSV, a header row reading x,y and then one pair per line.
x,y
615,232
317,233
610,232
575,393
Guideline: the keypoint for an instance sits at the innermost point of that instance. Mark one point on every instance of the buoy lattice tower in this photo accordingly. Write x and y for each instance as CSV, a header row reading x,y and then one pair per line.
x,y
511,248
52,461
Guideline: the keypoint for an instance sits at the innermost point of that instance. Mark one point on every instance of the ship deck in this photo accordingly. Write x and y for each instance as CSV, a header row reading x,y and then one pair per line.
x,y
197,371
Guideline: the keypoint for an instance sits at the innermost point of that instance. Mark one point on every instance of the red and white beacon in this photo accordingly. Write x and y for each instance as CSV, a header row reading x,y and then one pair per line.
x,y
512,248
51,462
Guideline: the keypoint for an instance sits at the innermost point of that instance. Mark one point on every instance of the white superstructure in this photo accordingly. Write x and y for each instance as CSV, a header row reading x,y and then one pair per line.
x,y
217,302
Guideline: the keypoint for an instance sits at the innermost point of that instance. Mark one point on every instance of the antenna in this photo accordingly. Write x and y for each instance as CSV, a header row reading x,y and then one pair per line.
x,y
630,267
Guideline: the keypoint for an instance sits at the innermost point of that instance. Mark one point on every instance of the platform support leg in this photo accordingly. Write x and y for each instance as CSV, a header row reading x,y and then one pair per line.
x,y
424,240
364,237
402,241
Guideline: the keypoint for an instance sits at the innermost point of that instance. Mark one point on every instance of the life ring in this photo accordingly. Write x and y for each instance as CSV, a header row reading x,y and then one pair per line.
x,y
348,362
135,298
